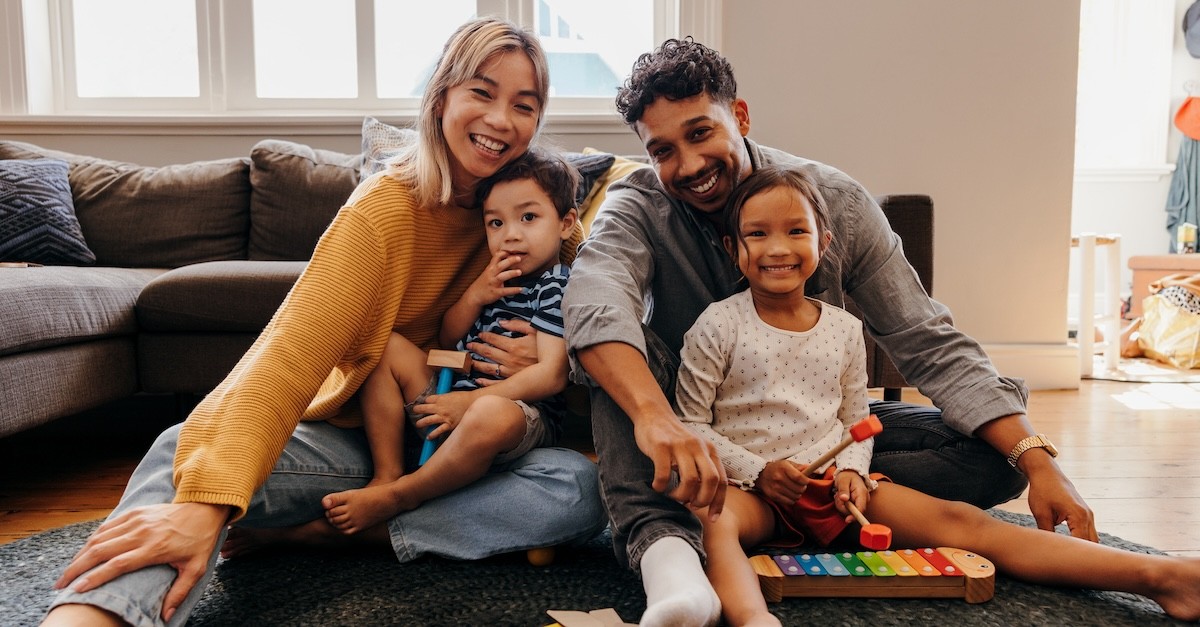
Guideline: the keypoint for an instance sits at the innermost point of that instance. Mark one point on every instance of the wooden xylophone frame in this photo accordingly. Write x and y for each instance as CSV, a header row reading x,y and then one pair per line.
x,y
972,578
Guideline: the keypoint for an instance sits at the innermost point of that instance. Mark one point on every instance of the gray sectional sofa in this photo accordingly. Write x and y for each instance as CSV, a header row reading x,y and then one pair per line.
x,y
192,260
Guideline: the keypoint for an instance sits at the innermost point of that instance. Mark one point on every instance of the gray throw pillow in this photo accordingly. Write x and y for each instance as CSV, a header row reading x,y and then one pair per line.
x,y
155,217
37,215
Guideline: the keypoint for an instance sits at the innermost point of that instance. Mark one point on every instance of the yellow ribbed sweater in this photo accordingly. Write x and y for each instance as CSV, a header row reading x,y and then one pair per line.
x,y
383,264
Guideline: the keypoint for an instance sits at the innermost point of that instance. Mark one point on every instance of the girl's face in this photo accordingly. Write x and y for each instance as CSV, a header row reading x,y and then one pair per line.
x,y
780,243
490,119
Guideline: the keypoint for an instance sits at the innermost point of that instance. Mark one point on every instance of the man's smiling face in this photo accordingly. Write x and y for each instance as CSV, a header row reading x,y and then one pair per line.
x,y
697,149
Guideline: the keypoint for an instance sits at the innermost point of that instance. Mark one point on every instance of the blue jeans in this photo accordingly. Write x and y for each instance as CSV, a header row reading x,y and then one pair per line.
x,y
916,449
547,497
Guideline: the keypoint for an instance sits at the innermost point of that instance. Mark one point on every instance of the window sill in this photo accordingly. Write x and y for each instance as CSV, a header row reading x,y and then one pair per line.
x,y
264,124
1131,174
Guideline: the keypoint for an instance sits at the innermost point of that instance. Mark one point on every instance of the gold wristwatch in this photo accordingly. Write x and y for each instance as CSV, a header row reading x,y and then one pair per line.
x,y
1033,441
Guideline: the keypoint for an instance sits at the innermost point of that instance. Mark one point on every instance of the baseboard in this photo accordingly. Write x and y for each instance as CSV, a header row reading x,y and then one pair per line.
x,y
1043,366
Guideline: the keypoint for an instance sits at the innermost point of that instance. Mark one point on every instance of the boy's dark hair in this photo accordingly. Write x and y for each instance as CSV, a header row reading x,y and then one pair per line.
x,y
676,70
769,177
557,177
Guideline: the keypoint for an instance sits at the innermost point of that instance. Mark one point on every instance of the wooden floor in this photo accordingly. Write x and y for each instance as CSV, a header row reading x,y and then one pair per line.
x,y
1133,451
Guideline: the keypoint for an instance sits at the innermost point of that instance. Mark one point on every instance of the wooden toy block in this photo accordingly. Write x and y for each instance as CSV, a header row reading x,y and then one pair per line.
x,y
454,360
948,573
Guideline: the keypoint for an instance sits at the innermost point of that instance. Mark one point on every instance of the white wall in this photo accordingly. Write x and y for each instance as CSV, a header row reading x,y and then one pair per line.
x,y
970,102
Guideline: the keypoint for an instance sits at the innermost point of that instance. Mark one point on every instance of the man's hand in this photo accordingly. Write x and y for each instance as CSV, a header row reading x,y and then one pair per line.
x,y
1053,499
672,446
180,535
782,481
511,354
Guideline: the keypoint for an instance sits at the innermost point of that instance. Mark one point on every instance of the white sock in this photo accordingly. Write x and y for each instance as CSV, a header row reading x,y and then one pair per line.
x,y
678,593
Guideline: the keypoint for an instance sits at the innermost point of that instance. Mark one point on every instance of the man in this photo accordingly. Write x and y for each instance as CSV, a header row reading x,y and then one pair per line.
x,y
655,256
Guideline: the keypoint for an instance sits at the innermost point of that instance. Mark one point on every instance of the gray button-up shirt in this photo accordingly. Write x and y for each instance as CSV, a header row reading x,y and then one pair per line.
x,y
651,258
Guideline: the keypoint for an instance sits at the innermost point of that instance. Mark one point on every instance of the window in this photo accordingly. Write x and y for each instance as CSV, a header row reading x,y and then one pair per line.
x,y
246,57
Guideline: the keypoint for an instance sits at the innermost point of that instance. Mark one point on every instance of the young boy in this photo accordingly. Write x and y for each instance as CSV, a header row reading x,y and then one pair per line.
x,y
528,211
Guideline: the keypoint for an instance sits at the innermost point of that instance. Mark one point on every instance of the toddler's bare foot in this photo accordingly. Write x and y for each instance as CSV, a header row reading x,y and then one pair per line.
x,y
1177,593
246,540
352,511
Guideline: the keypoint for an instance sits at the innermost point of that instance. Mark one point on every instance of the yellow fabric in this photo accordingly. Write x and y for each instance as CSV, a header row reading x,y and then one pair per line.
x,y
620,167
384,264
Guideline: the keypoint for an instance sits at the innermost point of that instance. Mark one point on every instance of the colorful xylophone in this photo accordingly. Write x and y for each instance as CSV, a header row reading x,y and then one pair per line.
x,y
906,573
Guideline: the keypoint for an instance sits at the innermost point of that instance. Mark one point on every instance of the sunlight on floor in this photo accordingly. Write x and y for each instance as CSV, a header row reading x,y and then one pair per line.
x,y
1161,396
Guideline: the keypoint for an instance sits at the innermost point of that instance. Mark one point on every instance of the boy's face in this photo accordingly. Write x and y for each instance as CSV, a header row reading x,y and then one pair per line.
x,y
696,147
521,221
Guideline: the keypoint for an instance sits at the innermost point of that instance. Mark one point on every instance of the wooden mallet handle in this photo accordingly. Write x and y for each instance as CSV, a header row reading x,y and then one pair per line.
x,y
868,427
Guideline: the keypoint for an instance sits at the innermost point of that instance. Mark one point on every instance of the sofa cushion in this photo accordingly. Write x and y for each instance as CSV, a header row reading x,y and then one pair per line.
x,y
221,296
37,215
297,190
52,306
155,217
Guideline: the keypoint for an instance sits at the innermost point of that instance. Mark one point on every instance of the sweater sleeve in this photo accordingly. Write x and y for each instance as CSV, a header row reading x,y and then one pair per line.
x,y
231,441
855,402
706,350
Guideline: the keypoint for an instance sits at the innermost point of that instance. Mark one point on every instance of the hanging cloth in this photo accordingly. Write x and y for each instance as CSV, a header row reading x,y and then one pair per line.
x,y
1183,199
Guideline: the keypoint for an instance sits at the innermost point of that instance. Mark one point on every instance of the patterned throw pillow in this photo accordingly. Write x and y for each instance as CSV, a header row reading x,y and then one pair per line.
x,y
380,143
37,214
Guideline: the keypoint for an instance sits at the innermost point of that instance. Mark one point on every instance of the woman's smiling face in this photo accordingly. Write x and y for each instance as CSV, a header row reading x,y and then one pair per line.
x,y
490,119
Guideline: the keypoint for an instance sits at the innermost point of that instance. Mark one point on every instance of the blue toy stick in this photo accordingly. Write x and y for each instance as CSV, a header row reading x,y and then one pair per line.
x,y
447,362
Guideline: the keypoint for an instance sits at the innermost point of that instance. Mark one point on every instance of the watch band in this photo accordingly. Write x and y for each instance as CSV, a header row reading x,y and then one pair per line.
x,y
1031,442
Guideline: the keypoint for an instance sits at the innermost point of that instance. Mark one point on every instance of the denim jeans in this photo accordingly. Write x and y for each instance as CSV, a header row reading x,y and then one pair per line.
x,y
915,449
547,497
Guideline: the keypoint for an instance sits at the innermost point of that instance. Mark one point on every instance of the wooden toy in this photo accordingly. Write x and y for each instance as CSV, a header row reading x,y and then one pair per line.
x,y
448,362
942,573
873,536
868,427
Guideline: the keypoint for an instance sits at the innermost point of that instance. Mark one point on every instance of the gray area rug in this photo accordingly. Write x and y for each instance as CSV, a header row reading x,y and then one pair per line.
x,y
315,588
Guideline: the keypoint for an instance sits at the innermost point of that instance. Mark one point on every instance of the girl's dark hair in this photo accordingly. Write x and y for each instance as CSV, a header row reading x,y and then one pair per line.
x,y
769,177
676,70
558,178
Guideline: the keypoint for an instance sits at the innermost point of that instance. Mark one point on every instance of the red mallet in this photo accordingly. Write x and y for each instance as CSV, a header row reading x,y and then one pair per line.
x,y
868,427
873,536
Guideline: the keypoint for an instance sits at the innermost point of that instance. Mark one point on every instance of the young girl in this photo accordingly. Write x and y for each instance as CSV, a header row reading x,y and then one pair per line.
x,y
774,379
277,434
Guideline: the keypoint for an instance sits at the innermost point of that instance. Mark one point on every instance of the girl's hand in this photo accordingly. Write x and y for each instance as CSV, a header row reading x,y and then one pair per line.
x,y
511,354
444,411
782,481
180,535
849,485
489,286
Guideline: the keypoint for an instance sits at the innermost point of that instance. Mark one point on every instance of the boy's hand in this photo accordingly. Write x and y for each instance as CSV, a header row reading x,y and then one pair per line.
x,y
850,486
444,412
782,481
489,286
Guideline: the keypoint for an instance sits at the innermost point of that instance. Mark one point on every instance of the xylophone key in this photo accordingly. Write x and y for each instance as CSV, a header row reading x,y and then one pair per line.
x,y
832,566
939,561
875,563
789,565
899,566
853,564
923,567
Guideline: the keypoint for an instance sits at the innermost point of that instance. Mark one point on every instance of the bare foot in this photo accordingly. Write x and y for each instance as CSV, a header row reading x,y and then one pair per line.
x,y
1177,590
246,540
352,511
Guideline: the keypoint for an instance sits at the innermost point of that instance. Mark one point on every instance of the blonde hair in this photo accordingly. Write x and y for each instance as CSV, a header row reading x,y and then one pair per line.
x,y
425,165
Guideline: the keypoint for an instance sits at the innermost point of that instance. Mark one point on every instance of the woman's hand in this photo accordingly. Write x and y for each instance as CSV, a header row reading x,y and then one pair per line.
x,y
782,481
180,535
507,355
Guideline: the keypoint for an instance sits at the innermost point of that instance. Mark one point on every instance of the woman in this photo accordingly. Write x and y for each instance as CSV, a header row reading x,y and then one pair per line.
x,y
263,448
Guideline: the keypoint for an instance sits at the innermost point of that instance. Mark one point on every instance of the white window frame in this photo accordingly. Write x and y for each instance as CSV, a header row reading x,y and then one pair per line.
x,y
37,43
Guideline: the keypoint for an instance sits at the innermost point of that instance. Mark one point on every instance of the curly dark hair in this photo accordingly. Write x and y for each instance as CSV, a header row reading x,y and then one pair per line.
x,y
678,69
